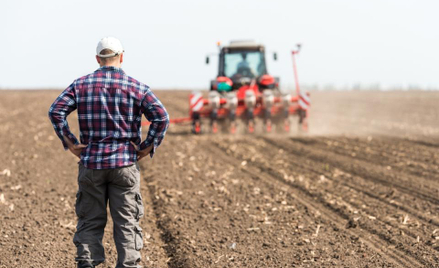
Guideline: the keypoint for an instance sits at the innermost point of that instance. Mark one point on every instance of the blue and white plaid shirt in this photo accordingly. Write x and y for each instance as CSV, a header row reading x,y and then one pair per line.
x,y
110,105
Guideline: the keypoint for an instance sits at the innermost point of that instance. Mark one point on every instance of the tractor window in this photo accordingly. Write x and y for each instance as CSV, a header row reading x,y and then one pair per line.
x,y
247,64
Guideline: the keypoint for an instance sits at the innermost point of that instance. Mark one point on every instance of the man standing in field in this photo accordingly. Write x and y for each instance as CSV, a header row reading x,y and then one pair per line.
x,y
110,105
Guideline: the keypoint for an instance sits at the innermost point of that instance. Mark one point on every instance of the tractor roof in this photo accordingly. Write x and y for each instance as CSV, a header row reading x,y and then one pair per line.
x,y
244,45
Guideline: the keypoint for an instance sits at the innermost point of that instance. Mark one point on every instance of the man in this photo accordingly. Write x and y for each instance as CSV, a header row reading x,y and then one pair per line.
x,y
244,63
110,105
243,68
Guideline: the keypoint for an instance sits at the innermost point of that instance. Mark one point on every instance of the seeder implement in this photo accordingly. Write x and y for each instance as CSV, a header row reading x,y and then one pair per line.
x,y
268,107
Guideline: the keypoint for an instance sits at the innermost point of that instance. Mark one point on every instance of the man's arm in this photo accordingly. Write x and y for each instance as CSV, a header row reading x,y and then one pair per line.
x,y
155,113
58,112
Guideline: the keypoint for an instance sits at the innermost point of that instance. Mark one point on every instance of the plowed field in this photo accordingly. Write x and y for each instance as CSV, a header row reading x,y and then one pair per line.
x,y
360,190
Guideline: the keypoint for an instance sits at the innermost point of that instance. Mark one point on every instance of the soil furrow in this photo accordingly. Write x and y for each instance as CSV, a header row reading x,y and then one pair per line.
x,y
416,161
171,244
360,203
374,241
416,187
362,186
410,149
427,144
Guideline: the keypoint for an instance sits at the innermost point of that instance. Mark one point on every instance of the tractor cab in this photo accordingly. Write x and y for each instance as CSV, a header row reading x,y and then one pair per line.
x,y
242,63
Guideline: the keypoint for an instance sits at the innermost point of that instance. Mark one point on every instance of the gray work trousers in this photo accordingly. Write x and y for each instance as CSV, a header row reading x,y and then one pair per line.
x,y
121,187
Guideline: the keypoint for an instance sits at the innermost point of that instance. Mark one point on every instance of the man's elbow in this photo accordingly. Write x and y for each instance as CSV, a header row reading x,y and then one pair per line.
x,y
50,114
164,123
53,114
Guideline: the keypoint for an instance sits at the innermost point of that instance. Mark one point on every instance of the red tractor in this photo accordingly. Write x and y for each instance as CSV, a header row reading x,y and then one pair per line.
x,y
244,91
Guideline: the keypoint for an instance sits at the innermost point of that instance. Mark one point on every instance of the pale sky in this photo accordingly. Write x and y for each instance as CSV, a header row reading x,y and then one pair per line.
x,y
49,43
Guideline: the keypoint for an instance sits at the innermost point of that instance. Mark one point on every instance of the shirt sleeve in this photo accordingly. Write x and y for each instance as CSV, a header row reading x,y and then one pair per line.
x,y
58,112
155,113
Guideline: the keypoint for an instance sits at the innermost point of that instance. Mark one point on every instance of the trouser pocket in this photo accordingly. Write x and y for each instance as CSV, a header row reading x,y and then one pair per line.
x,y
139,206
138,238
84,203
78,205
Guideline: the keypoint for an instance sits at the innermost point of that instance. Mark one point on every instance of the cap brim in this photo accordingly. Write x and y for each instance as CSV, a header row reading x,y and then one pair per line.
x,y
110,55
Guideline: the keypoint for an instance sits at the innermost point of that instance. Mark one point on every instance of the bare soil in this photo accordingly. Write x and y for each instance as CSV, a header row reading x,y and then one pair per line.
x,y
361,189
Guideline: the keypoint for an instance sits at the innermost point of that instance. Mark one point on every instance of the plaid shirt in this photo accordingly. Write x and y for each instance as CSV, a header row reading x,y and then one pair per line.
x,y
110,105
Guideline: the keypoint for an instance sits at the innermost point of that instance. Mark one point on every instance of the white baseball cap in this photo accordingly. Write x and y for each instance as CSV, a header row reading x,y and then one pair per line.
x,y
110,43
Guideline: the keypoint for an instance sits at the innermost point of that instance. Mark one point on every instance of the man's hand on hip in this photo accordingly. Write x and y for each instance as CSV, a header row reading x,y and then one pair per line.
x,y
75,149
142,153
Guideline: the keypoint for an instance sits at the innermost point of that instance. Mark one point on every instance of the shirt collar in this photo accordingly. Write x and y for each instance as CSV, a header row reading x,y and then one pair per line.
x,y
111,68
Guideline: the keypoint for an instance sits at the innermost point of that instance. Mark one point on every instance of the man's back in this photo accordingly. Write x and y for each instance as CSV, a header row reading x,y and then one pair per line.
x,y
110,105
